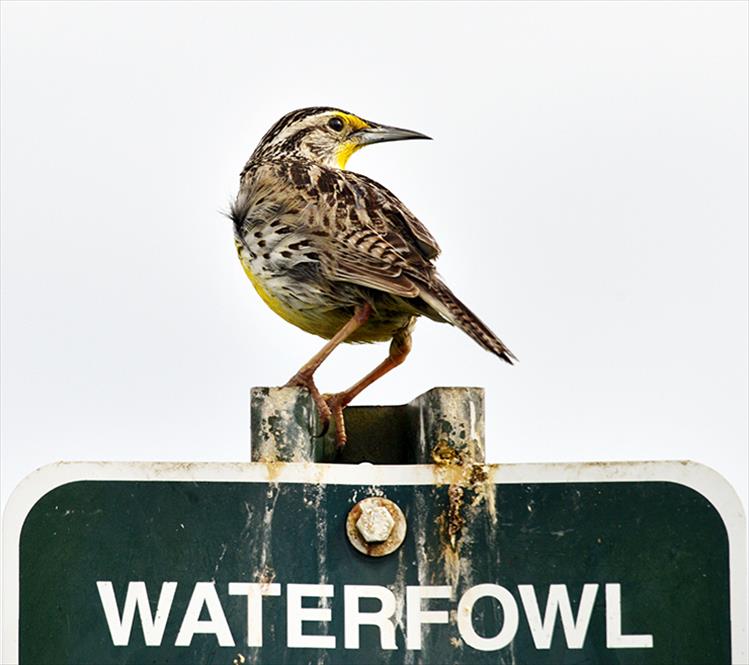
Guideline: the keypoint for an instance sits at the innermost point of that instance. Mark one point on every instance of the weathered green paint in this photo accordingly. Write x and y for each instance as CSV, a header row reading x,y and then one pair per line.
x,y
664,543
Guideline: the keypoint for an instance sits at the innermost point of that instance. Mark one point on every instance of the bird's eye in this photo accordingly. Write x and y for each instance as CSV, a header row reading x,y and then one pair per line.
x,y
335,123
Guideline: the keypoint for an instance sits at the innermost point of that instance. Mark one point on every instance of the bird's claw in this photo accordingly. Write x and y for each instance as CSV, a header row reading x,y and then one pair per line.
x,y
336,403
304,381
328,406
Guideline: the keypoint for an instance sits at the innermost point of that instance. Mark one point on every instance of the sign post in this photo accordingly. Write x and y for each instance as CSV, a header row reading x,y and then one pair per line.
x,y
257,563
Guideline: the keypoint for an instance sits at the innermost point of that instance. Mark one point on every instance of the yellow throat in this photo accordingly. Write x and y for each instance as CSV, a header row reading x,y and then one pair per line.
x,y
348,148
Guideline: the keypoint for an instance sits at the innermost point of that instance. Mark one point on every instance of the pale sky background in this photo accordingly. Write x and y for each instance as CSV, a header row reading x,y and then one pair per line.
x,y
587,183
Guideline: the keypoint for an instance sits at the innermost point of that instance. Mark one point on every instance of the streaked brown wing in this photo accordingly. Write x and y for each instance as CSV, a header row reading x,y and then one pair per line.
x,y
358,231
398,215
374,274
377,242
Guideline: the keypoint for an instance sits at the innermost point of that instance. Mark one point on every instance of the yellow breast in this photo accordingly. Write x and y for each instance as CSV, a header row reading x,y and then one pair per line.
x,y
322,320
311,320
269,299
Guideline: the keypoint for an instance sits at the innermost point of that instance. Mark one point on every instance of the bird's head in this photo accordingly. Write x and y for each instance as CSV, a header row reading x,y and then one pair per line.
x,y
325,136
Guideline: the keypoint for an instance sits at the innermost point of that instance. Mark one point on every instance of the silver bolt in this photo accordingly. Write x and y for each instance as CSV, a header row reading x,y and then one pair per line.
x,y
375,523
376,526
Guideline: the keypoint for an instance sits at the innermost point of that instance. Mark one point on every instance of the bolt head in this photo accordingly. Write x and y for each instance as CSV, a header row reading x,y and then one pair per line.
x,y
375,524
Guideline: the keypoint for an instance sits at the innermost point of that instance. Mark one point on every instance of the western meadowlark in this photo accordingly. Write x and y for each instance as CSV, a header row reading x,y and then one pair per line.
x,y
337,254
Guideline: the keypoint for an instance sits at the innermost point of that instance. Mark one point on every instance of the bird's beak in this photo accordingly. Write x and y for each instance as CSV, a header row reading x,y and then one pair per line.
x,y
381,133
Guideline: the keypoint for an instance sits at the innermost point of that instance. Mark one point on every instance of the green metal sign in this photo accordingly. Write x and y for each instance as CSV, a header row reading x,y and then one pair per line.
x,y
208,563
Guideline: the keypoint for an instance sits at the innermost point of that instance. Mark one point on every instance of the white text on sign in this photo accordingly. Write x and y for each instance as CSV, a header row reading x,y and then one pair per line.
x,y
424,606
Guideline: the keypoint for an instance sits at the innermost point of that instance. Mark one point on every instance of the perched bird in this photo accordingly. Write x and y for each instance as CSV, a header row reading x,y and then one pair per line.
x,y
338,254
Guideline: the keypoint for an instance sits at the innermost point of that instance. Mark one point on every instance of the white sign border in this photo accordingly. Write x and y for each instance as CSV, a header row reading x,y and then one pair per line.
x,y
698,477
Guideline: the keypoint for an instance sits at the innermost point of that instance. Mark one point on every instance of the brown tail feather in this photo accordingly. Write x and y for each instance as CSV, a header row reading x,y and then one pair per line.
x,y
440,298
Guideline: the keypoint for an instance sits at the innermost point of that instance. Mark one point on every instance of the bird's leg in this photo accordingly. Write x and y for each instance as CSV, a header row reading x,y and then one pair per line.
x,y
399,349
304,376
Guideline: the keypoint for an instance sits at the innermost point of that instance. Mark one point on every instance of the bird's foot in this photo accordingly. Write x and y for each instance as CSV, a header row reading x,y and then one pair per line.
x,y
337,403
302,380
